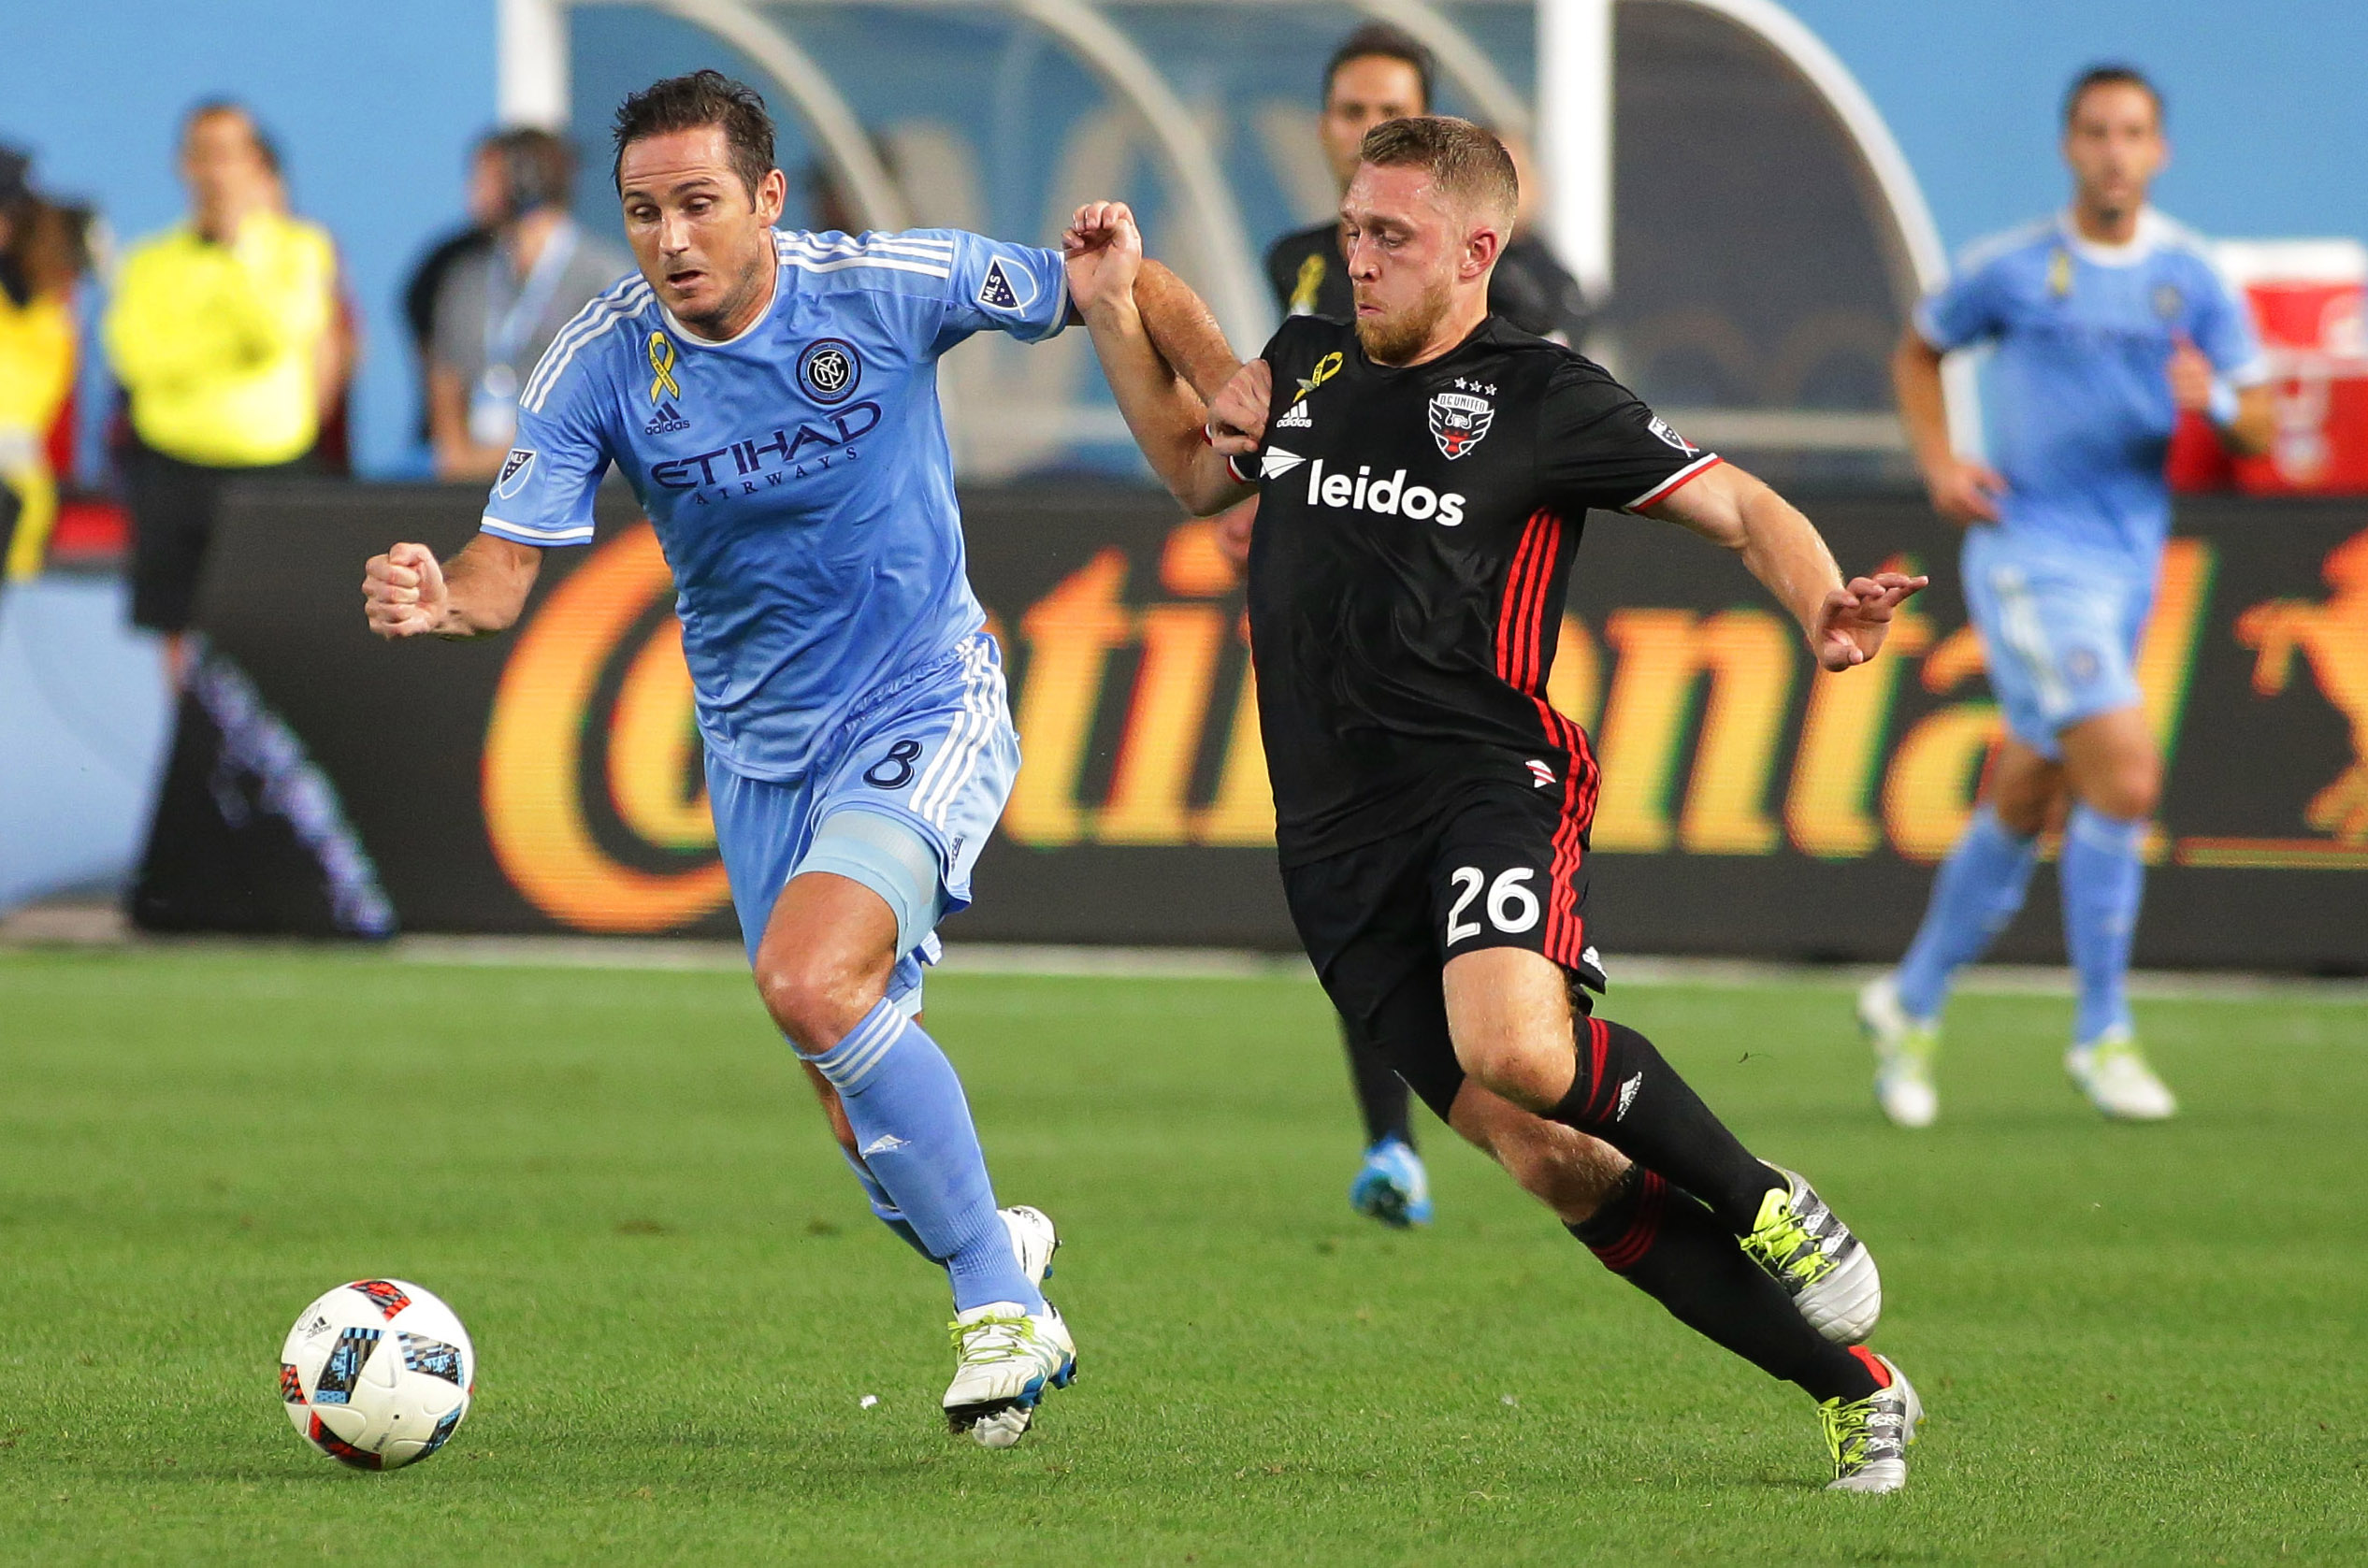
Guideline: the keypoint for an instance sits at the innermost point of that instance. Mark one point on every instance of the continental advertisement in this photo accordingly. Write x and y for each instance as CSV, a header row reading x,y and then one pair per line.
x,y
550,779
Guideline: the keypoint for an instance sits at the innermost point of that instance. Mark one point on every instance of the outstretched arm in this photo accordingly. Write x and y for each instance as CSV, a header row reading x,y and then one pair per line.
x,y
407,593
1844,622
1165,415
1183,331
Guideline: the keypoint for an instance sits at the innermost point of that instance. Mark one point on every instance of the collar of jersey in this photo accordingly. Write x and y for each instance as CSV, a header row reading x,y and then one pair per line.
x,y
2148,238
687,336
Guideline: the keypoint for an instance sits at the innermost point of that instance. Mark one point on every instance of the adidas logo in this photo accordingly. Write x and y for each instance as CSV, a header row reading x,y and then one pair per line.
x,y
1296,418
1540,776
889,1143
668,420
1628,1096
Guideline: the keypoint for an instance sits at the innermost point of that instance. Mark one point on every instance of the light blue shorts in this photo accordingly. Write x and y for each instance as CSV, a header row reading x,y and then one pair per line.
x,y
900,799
2059,632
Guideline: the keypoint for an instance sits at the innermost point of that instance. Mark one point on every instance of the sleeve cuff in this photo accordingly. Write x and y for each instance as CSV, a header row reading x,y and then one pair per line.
x,y
1929,329
1676,482
520,533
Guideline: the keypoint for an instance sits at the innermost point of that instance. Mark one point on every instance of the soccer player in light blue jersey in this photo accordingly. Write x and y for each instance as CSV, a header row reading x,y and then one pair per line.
x,y
2107,322
771,398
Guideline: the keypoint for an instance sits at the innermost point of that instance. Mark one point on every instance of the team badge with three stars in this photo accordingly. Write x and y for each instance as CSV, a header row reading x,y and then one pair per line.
x,y
1460,419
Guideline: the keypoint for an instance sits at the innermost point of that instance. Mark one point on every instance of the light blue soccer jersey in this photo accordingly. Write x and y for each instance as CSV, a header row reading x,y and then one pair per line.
x,y
2079,408
798,475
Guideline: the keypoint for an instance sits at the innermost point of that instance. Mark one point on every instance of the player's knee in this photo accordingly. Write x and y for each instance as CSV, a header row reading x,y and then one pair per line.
x,y
2129,789
1519,1068
815,997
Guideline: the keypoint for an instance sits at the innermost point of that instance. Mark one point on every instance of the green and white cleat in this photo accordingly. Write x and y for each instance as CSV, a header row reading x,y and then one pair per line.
x,y
1806,1248
1034,1240
1869,1438
1006,1357
1903,1051
2112,1073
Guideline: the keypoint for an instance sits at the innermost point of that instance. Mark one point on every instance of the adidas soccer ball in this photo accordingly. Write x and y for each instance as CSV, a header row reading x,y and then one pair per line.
x,y
377,1374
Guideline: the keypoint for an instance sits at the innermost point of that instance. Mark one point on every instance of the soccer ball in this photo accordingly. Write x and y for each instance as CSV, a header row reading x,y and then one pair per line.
x,y
377,1374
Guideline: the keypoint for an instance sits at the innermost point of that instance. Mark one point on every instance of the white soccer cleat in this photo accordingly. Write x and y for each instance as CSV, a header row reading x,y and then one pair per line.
x,y
2112,1073
1869,1438
1806,1248
1006,1359
1903,1050
1034,1240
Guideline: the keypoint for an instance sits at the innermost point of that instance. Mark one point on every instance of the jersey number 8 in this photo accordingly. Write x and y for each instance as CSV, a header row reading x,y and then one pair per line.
x,y
1512,908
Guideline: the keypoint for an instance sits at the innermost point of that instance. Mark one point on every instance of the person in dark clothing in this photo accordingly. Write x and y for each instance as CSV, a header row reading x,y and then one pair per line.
x,y
486,200
1381,73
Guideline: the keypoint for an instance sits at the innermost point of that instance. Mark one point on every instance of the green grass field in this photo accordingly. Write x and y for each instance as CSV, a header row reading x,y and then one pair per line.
x,y
2138,1343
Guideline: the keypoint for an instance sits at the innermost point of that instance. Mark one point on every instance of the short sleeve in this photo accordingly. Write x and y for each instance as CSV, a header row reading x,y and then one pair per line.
x,y
1964,309
1598,446
998,287
542,494
2224,331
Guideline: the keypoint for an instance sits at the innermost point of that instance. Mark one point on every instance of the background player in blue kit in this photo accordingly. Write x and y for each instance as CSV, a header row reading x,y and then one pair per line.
x,y
2108,321
771,398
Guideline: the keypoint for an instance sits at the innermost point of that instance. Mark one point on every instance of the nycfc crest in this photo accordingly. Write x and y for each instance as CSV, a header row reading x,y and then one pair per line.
x,y
1459,421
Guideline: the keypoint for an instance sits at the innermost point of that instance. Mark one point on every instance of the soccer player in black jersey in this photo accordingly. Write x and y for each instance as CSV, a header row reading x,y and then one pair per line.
x,y
1424,473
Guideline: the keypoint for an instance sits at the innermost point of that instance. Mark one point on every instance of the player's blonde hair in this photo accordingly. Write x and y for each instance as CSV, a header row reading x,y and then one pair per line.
x,y
1465,162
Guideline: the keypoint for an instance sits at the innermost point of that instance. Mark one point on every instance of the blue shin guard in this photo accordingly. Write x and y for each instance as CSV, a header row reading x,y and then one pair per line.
x,y
1980,888
2103,878
914,1133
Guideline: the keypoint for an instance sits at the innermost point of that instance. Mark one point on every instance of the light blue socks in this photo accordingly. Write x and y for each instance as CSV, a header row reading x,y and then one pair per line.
x,y
1974,898
2103,878
914,1133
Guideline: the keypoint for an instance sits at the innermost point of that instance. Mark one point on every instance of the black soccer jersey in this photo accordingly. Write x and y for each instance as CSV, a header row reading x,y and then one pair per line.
x,y
1407,574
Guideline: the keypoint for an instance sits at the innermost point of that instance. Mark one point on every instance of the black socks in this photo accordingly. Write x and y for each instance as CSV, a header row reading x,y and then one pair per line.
x,y
1381,1094
1628,1096
1673,1250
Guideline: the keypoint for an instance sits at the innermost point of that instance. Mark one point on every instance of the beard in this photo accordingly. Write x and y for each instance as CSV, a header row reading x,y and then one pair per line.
x,y
1393,340
724,318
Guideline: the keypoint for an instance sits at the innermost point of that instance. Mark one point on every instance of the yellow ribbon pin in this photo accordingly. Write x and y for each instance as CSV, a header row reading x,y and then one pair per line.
x,y
662,361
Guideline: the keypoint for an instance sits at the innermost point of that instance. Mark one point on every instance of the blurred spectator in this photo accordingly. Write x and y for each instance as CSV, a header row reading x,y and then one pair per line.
x,y
1378,72
501,308
220,330
340,349
483,202
44,250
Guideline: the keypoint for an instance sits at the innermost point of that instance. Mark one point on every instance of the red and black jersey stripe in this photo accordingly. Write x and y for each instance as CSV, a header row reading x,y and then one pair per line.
x,y
1522,624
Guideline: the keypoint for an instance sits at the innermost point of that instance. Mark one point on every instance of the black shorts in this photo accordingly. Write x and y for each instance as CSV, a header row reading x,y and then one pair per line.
x,y
174,507
1499,866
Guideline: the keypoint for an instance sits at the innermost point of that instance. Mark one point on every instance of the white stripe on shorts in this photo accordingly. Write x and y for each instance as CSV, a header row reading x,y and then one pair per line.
x,y
958,759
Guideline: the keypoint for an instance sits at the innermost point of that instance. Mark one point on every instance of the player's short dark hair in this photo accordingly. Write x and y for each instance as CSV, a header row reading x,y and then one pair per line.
x,y
1468,164
1380,40
2111,74
706,97
537,168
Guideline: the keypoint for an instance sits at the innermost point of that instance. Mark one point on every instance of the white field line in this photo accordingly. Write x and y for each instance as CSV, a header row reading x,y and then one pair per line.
x,y
1163,963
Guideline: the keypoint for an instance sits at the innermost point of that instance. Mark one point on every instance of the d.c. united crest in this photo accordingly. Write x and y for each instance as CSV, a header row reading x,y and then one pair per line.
x,y
1459,421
